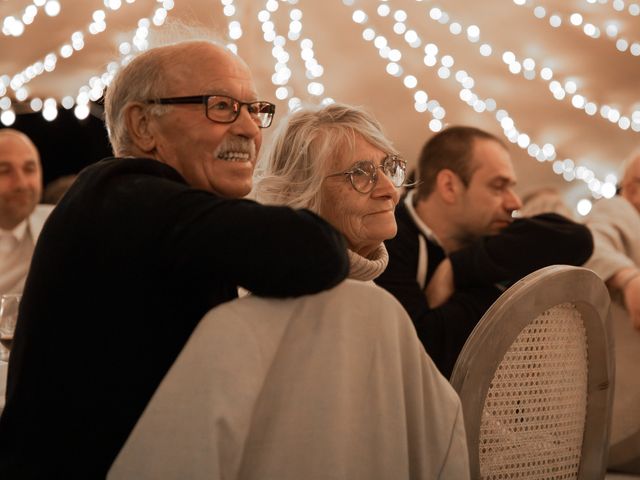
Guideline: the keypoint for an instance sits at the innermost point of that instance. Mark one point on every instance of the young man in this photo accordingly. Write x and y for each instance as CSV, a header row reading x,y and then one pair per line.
x,y
458,245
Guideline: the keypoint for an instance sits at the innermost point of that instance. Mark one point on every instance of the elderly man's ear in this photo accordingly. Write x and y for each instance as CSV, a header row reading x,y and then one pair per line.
x,y
138,121
448,185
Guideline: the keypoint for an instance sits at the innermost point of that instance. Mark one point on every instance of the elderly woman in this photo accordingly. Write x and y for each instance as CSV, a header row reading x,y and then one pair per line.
x,y
336,161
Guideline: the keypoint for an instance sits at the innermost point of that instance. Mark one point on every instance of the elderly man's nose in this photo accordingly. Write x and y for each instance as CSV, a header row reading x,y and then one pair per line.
x,y
245,125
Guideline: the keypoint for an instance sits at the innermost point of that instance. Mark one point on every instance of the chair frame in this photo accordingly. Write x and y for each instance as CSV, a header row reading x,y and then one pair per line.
x,y
502,323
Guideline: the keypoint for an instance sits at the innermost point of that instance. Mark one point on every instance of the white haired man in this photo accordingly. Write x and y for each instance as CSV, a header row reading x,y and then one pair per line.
x,y
139,249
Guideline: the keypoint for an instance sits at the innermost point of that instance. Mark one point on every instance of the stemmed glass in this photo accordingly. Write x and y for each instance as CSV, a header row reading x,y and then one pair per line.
x,y
8,317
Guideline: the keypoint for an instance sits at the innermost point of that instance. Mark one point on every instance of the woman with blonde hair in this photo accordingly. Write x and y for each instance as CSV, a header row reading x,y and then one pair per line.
x,y
335,161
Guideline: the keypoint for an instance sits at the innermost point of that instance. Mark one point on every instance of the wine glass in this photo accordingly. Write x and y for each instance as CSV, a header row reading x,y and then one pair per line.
x,y
8,317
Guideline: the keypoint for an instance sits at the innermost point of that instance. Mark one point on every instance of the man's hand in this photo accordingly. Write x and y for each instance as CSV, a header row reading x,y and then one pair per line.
x,y
441,287
631,294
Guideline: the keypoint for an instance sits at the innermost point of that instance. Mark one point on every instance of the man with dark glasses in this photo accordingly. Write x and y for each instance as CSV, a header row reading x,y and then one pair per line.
x,y
140,248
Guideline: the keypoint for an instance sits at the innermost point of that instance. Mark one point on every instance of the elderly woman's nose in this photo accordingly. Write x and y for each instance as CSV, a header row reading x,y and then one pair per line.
x,y
385,188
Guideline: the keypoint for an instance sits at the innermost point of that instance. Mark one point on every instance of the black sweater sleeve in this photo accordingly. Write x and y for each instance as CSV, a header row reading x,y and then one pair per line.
x,y
526,245
199,236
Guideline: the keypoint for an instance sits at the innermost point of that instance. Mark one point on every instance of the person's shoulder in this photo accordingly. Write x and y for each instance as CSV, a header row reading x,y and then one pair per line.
x,y
131,165
38,217
611,208
129,176
42,210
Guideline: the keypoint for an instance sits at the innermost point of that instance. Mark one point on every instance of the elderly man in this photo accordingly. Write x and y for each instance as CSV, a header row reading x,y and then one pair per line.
x,y
615,224
21,218
458,246
139,249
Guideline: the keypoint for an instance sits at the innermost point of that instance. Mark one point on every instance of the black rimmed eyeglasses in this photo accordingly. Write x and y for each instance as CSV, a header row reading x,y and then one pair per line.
x,y
363,175
224,109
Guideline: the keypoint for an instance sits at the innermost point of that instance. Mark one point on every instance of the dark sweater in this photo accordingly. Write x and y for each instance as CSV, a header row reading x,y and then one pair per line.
x,y
480,269
126,265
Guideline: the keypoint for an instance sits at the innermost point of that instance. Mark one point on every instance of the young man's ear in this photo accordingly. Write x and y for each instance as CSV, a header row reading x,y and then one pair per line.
x,y
137,118
448,185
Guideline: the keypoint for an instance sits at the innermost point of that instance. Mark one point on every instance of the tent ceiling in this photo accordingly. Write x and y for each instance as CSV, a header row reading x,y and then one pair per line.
x,y
354,72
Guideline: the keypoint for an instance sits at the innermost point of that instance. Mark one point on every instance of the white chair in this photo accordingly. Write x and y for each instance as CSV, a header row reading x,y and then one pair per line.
x,y
535,378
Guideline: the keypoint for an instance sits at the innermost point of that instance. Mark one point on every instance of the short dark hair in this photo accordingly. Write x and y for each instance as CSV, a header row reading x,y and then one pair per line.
x,y
450,149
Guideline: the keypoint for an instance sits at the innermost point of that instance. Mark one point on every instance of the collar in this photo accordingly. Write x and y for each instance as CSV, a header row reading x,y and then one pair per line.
x,y
18,232
423,227
366,269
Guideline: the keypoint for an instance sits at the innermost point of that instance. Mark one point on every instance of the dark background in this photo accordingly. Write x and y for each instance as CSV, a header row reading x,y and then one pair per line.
x,y
67,144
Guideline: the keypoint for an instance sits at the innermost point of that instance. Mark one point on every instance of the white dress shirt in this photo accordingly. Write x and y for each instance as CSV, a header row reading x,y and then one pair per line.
x,y
16,250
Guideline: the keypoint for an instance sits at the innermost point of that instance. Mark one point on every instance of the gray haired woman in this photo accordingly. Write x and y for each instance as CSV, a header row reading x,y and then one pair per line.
x,y
335,161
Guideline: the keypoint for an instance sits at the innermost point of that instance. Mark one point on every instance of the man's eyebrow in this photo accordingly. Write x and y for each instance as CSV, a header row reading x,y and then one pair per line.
x,y
253,96
503,180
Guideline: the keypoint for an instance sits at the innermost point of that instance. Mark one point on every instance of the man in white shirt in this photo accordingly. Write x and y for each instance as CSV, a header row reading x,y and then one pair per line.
x,y
21,218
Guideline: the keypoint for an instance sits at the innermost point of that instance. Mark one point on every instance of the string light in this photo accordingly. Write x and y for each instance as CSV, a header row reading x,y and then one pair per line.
x,y
589,29
522,139
14,26
422,103
94,88
527,68
444,65
619,6
282,73
234,28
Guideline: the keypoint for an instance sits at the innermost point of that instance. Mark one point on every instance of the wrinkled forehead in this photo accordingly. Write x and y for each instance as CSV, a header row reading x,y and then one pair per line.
x,y
353,147
203,68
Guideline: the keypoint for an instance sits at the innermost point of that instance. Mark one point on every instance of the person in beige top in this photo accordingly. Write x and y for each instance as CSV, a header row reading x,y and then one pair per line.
x,y
21,218
615,224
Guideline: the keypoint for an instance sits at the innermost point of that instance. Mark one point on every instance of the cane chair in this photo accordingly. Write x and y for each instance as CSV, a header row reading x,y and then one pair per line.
x,y
535,378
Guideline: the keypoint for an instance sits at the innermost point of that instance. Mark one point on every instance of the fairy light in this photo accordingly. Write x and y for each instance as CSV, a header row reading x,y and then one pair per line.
x,y
527,68
576,20
66,50
15,25
282,73
234,27
94,88
619,5
394,68
547,152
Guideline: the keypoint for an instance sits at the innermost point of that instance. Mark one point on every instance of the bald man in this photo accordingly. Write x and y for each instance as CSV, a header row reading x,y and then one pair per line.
x,y
21,218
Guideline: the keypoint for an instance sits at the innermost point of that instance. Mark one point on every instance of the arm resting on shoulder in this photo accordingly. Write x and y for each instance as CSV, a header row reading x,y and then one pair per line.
x,y
269,250
525,246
